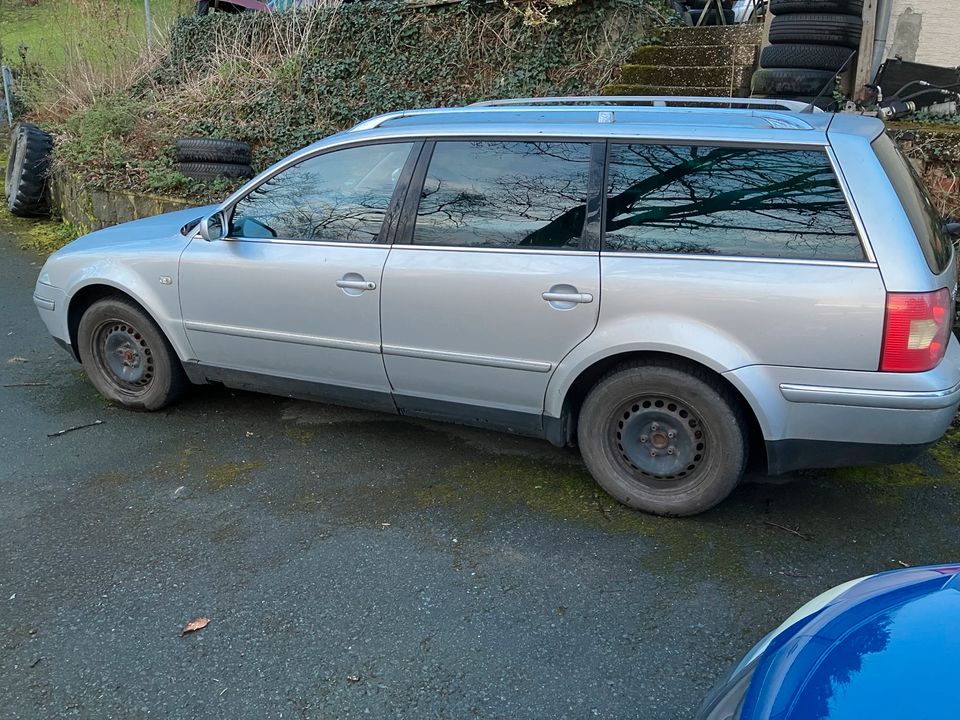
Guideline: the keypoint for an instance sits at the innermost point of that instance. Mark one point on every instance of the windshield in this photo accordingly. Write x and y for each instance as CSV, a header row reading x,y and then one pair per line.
x,y
926,221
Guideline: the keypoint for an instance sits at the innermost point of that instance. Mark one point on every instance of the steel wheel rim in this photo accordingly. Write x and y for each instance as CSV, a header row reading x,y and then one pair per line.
x,y
658,438
123,356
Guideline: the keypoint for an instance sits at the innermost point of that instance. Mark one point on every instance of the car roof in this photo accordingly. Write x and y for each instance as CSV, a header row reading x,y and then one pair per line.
x,y
667,118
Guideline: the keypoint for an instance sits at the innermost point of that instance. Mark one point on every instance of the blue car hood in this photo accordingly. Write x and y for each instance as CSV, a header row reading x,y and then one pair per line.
x,y
887,648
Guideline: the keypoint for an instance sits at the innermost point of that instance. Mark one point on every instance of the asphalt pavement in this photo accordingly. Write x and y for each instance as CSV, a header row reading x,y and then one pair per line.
x,y
354,565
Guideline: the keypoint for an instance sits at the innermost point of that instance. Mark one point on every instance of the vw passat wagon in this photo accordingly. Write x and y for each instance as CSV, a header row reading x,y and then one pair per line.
x,y
677,287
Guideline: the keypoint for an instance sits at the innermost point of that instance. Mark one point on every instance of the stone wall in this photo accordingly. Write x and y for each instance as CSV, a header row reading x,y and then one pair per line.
x,y
89,208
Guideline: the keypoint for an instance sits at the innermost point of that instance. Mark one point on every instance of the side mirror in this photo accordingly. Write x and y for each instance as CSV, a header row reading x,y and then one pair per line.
x,y
214,227
951,229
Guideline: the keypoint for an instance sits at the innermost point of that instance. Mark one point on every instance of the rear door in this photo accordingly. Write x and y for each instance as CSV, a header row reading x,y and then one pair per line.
x,y
493,279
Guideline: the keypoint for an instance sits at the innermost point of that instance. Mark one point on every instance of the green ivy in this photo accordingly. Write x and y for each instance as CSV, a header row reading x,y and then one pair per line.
x,y
282,80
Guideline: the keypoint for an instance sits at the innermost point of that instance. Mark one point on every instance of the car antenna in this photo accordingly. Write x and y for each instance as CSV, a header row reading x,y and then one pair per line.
x,y
832,82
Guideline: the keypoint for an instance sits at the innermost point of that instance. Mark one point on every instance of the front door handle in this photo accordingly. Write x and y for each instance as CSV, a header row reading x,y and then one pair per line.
x,y
567,297
356,284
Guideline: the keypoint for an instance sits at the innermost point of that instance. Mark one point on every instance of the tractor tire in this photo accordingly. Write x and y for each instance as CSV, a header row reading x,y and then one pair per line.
x,y
26,188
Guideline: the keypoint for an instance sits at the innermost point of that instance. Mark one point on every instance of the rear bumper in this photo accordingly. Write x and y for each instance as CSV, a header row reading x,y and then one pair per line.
x,y
831,418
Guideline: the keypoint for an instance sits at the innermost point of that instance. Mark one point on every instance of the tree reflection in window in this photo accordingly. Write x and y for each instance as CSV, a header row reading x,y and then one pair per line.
x,y
341,196
727,201
504,194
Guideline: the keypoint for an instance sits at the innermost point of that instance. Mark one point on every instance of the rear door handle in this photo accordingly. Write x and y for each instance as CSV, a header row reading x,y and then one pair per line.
x,y
566,297
356,284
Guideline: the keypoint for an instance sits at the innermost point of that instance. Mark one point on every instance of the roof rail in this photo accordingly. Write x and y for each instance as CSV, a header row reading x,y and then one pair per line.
x,y
651,100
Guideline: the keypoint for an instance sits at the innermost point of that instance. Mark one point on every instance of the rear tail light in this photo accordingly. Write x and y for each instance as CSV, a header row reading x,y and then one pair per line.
x,y
916,331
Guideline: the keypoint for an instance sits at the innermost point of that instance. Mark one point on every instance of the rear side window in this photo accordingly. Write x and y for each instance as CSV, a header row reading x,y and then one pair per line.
x,y
505,195
916,204
727,201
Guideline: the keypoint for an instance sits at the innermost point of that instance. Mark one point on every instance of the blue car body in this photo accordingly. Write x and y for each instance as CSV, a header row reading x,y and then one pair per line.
x,y
886,646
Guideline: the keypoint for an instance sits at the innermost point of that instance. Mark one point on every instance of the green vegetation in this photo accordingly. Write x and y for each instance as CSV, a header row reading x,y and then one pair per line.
x,y
56,31
280,81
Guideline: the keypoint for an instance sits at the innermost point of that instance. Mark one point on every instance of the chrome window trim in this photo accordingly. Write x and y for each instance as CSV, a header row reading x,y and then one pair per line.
x,y
510,250
857,397
285,337
317,243
745,258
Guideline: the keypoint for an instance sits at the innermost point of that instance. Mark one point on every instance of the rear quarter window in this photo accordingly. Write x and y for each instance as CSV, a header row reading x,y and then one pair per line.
x,y
923,216
727,201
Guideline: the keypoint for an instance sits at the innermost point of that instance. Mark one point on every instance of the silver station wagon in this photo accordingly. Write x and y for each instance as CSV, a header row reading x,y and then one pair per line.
x,y
680,287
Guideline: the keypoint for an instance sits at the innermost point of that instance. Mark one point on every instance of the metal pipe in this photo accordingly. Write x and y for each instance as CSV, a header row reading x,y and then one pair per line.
x,y
149,21
884,11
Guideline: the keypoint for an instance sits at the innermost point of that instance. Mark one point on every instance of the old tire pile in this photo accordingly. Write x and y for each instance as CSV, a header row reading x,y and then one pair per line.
x,y
25,184
810,40
208,159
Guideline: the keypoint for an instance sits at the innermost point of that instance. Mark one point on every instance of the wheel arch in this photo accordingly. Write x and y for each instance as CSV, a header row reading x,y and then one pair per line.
x,y
81,300
577,390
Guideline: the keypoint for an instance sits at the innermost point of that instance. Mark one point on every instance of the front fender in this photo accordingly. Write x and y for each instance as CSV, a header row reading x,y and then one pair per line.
x,y
161,301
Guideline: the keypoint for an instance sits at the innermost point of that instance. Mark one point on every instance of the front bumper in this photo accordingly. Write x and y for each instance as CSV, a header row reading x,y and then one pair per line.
x,y
51,303
813,417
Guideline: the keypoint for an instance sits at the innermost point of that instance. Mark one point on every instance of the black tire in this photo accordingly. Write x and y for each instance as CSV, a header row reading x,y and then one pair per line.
x,y
208,172
811,57
644,403
824,102
213,150
844,7
817,29
127,357
25,183
792,82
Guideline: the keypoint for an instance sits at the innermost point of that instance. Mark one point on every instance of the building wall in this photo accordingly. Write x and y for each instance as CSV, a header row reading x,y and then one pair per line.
x,y
925,31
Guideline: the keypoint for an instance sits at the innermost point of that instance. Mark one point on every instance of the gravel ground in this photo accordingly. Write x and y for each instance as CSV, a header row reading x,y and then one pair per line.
x,y
359,565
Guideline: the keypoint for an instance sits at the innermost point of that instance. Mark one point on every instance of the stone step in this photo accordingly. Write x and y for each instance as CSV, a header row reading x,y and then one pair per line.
x,y
673,91
714,35
710,76
694,55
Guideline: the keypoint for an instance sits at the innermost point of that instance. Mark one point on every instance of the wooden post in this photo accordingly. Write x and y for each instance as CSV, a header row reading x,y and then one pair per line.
x,y
864,66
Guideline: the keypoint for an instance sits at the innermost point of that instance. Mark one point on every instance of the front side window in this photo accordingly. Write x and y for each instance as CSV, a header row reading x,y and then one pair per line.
x,y
727,201
505,195
341,196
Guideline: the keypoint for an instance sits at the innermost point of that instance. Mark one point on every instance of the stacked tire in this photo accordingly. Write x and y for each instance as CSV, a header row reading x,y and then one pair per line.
x,y
209,159
25,186
810,41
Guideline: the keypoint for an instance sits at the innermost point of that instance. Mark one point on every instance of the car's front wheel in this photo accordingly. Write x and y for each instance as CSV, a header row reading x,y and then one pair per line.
x,y
127,357
663,439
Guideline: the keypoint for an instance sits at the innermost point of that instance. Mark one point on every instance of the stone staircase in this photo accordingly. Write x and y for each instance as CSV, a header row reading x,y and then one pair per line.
x,y
712,61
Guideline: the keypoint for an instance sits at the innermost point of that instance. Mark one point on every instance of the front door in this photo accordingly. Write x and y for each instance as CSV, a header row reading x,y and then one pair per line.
x,y
294,291
494,279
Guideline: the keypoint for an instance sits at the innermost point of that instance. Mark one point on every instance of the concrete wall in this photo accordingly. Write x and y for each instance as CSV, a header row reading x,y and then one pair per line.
x,y
925,31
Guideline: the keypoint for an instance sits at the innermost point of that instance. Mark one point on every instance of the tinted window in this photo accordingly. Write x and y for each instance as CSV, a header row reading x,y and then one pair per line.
x,y
727,201
341,196
916,203
504,194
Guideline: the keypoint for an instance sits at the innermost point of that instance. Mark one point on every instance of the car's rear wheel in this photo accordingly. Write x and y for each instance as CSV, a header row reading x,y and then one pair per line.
x,y
665,439
127,357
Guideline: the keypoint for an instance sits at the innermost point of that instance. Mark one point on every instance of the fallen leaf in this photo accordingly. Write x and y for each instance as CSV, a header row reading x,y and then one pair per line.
x,y
194,625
